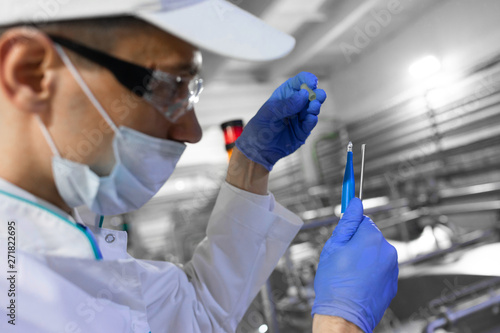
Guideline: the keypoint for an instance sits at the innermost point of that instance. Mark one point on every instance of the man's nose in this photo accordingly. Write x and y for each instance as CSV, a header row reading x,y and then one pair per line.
x,y
186,128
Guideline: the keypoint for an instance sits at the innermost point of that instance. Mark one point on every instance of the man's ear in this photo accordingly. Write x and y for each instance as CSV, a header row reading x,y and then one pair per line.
x,y
27,60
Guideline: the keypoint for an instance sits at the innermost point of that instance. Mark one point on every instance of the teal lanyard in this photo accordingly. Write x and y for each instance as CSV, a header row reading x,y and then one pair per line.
x,y
92,240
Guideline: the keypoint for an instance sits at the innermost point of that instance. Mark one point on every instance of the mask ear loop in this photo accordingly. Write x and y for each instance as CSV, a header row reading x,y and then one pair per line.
x,y
85,88
47,136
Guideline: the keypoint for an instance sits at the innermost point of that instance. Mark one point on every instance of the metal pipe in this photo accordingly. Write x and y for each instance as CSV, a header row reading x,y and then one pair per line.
x,y
452,317
469,190
320,223
438,323
269,307
470,290
483,236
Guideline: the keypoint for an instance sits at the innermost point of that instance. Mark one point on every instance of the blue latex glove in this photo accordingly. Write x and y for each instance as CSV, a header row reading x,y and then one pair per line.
x,y
283,123
357,273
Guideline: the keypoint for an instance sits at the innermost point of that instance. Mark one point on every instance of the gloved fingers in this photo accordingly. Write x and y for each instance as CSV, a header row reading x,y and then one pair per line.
x,y
372,223
389,256
313,108
395,282
320,95
350,222
368,232
392,279
369,224
304,77
328,248
293,104
388,292
307,125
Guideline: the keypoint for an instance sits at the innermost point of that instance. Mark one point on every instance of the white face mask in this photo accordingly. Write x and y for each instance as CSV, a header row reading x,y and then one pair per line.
x,y
142,165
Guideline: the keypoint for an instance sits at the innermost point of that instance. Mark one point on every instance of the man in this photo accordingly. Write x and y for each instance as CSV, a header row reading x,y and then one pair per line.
x,y
94,114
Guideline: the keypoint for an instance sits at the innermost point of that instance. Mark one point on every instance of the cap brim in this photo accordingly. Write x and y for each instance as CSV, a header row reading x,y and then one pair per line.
x,y
223,28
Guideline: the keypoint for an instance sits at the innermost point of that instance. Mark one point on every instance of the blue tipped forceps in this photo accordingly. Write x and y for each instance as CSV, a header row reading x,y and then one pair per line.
x,y
349,184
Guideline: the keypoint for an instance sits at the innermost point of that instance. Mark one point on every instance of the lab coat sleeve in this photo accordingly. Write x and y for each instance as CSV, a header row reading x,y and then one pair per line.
x,y
246,236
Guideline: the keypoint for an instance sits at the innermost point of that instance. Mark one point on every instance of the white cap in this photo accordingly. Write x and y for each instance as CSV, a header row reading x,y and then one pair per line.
x,y
214,25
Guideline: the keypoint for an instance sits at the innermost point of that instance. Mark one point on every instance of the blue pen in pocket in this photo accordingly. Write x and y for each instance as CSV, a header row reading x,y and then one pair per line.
x,y
349,185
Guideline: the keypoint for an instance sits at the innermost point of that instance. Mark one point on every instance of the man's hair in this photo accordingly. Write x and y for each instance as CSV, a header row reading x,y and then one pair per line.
x,y
98,33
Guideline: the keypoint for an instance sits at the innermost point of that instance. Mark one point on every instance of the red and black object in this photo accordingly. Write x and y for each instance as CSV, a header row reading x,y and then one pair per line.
x,y
232,130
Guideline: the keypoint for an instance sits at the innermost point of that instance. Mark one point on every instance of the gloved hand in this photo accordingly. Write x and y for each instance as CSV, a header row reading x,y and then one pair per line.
x,y
357,272
283,123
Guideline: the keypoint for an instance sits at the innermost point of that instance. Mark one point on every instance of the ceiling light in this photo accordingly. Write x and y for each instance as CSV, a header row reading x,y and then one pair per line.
x,y
425,67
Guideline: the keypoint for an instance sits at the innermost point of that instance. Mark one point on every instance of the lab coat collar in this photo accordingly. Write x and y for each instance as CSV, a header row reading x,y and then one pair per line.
x,y
84,215
77,240
16,190
79,214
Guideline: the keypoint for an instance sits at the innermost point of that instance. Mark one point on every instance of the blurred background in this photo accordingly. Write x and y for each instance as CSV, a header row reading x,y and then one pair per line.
x,y
419,83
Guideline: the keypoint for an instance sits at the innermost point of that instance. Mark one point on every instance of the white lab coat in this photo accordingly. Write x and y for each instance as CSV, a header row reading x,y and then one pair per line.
x,y
60,286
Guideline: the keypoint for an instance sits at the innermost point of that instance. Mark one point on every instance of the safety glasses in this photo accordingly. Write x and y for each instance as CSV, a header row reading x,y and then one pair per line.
x,y
171,95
